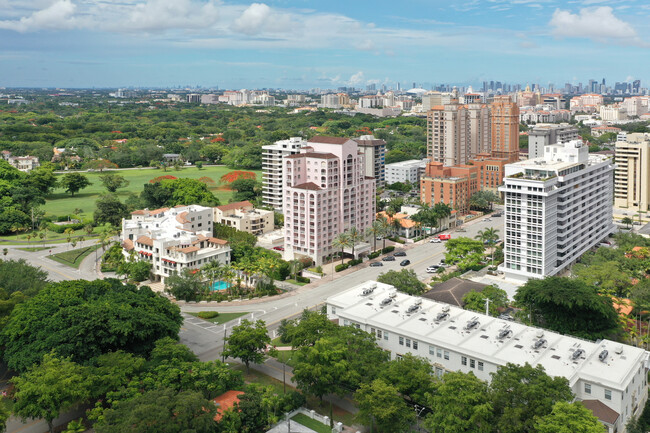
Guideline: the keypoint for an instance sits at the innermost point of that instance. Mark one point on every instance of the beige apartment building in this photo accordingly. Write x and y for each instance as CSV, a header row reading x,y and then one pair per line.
x,y
243,216
631,178
448,134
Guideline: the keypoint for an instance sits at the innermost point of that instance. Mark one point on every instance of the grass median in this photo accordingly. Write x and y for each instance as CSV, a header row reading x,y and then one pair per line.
x,y
73,258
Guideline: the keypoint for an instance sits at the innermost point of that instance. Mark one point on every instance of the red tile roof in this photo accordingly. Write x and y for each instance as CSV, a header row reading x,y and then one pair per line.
x,y
311,186
127,244
181,217
235,205
328,140
226,401
145,240
318,155
218,241
601,411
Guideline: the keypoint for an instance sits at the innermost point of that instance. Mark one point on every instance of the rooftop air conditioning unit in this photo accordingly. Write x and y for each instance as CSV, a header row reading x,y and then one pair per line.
x,y
539,344
445,308
603,356
619,349
540,333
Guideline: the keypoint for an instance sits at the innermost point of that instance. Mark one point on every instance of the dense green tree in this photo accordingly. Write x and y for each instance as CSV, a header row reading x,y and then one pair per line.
x,y
475,301
460,404
379,403
26,197
84,319
465,252
186,286
45,390
411,375
135,270
568,418
74,182
248,342
109,209
338,363
246,157
173,192
607,277
405,281
112,182
568,306
13,219
42,179
246,189
311,326
19,276
161,410
253,413
483,199
519,394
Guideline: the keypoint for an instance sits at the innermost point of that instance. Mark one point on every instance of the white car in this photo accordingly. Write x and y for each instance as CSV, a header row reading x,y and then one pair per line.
x,y
432,269
487,220
435,241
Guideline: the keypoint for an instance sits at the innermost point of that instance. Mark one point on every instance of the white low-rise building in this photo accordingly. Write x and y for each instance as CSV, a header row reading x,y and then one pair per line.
x,y
173,239
557,207
243,216
605,375
405,171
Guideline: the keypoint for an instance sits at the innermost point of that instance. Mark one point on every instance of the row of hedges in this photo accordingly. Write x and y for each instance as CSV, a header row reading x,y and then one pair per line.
x,y
374,255
388,249
208,314
341,267
398,240
302,279
355,262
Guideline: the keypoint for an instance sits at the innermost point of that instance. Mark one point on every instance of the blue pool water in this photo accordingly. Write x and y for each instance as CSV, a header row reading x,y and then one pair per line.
x,y
220,285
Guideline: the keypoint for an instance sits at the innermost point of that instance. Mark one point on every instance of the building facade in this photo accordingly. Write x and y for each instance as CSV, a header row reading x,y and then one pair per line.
x,y
243,216
405,171
272,156
448,134
325,193
453,339
479,129
505,128
173,239
556,208
374,156
545,134
450,185
24,163
632,175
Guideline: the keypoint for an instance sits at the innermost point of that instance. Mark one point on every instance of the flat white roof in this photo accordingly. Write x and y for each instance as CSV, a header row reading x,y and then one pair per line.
x,y
491,339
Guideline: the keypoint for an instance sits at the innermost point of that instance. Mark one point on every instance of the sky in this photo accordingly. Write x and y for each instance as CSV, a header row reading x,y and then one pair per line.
x,y
300,44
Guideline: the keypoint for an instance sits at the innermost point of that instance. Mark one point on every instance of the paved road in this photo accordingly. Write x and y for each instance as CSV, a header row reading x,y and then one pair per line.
x,y
206,339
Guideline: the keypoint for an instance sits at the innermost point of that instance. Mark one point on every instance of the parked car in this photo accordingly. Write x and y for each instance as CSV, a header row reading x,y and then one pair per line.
x,y
461,229
278,248
376,264
405,262
444,237
400,254
487,220
432,269
497,215
388,259
435,241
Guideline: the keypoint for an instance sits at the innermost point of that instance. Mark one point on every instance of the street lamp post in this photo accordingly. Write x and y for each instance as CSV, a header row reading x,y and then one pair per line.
x,y
418,412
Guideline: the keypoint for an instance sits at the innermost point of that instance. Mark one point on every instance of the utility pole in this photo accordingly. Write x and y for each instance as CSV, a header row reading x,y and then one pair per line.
x,y
487,306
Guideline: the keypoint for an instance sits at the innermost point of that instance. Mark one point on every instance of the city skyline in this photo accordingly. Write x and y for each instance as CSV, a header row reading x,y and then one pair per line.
x,y
300,45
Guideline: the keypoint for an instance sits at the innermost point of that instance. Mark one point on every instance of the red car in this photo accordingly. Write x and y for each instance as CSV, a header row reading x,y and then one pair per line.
x,y
444,237
278,248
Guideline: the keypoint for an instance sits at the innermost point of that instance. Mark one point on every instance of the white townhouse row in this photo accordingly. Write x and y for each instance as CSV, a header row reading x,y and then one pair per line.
x,y
173,239
608,377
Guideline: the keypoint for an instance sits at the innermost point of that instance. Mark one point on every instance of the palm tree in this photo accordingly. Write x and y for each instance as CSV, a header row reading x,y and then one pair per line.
x,y
488,236
341,241
355,237
397,226
375,230
627,221
295,266
385,226
212,270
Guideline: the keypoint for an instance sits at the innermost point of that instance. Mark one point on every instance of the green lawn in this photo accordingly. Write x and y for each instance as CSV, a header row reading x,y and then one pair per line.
x,y
297,283
285,356
61,203
222,317
317,426
73,258
51,237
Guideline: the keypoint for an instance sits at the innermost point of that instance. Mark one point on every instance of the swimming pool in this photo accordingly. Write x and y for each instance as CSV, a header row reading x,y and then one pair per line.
x,y
220,285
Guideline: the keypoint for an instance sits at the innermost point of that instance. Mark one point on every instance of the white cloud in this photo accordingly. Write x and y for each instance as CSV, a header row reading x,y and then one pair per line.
x,y
356,79
58,15
159,15
595,23
259,18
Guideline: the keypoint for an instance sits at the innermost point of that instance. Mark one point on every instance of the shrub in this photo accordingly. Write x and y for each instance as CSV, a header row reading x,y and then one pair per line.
x,y
374,255
306,262
61,229
302,279
208,314
293,400
388,249
341,267
355,262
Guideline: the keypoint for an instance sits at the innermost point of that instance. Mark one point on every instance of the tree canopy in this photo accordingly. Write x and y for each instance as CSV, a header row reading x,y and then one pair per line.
x,y
83,319
405,280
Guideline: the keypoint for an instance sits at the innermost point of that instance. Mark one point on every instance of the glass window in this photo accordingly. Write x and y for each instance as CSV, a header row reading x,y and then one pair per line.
x,y
472,363
408,342
587,388
446,355
385,335
415,345
463,360
432,350
608,394
480,365
439,353
379,333
401,341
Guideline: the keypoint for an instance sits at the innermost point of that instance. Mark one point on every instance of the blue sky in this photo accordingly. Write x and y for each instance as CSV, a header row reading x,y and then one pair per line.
x,y
302,44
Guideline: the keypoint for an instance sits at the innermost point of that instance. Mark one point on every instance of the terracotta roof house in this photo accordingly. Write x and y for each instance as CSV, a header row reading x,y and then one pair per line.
x,y
453,290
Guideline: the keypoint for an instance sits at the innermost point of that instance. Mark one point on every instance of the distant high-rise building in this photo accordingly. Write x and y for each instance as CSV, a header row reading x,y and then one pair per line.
x,y
632,175
371,87
545,134
505,128
479,129
399,86
448,134
636,86
272,157
374,153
